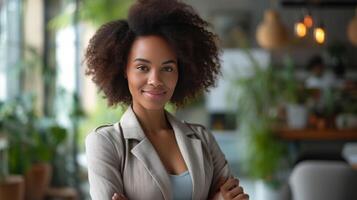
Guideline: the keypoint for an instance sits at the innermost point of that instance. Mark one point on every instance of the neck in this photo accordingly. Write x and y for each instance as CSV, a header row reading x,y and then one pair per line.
x,y
152,121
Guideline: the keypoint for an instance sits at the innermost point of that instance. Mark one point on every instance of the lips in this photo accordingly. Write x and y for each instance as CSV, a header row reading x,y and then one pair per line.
x,y
154,94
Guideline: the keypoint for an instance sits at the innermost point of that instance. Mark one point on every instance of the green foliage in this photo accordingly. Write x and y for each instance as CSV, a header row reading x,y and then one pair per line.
x,y
259,95
31,139
17,122
348,102
102,11
258,91
50,137
95,12
264,153
170,107
293,90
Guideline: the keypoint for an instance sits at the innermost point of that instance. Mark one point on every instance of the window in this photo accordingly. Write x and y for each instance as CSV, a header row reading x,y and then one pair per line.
x,y
10,46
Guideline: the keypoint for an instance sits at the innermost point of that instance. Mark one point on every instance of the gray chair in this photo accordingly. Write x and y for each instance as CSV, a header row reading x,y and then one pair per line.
x,y
322,180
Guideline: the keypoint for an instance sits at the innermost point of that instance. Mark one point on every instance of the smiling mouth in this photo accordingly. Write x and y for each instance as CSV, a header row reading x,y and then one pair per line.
x,y
156,95
155,92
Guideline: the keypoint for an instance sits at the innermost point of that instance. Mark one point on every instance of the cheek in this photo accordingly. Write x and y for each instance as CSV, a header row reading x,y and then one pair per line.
x,y
173,81
133,85
135,81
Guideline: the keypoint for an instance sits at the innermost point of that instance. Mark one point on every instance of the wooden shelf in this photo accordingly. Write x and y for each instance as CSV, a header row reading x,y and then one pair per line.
x,y
315,134
65,193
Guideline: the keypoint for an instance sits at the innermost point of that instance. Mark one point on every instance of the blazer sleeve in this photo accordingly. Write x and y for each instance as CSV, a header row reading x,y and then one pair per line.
x,y
103,166
220,164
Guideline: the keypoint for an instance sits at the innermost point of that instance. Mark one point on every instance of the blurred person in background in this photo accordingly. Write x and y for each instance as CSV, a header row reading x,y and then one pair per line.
x,y
162,53
319,77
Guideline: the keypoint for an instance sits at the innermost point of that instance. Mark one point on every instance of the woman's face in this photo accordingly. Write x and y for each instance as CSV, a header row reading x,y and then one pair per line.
x,y
152,72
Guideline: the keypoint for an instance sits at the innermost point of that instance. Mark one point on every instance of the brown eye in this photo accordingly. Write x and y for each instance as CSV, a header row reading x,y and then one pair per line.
x,y
143,68
168,69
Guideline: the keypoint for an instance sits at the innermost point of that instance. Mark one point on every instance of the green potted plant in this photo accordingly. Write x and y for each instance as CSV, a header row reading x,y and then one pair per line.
x,y
45,142
331,105
294,96
258,98
11,186
32,143
347,117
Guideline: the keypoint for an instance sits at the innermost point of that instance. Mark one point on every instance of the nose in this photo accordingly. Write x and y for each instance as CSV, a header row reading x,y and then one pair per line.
x,y
155,78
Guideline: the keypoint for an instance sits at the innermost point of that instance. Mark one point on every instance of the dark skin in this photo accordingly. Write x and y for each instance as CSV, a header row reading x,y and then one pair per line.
x,y
152,75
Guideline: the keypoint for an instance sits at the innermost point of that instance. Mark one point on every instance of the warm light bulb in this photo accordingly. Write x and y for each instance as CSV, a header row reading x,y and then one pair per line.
x,y
300,29
308,21
320,35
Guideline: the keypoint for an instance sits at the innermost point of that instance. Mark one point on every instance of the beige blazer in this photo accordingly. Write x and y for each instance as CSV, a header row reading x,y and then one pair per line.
x,y
121,159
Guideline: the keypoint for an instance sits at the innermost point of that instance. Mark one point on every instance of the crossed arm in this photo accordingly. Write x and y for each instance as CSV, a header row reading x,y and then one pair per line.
x,y
229,190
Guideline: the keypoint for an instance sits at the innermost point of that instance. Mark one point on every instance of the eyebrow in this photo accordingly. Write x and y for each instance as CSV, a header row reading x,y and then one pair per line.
x,y
147,61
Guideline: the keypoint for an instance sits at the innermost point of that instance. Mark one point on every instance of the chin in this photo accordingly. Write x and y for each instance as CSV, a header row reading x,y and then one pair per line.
x,y
153,105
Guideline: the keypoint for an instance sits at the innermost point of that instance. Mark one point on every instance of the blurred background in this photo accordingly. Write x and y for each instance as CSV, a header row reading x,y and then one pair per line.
x,y
284,110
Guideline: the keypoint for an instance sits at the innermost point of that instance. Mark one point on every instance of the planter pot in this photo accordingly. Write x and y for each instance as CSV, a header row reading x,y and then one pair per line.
x,y
37,181
266,192
297,116
13,188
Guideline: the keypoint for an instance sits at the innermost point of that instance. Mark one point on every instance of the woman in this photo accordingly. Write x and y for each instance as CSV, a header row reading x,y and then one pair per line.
x,y
162,53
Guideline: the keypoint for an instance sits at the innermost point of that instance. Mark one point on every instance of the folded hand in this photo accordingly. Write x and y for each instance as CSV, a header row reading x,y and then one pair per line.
x,y
119,196
230,189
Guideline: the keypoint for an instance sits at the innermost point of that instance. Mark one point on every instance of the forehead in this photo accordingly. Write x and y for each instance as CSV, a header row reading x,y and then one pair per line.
x,y
152,46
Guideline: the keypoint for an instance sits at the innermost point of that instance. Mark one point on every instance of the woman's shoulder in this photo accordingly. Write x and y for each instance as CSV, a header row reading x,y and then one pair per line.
x,y
107,133
104,145
104,129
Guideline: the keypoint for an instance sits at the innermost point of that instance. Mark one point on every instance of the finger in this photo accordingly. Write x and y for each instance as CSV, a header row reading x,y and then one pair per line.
x,y
229,184
236,179
119,196
115,196
235,192
242,197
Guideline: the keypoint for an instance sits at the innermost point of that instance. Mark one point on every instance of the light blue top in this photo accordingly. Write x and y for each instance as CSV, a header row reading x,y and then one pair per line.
x,y
181,186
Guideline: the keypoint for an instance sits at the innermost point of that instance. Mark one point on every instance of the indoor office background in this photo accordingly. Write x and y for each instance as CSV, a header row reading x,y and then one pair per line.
x,y
284,110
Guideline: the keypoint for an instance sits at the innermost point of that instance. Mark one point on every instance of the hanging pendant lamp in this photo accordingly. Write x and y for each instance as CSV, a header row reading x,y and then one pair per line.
x,y
352,30
300,29
271,33
320,34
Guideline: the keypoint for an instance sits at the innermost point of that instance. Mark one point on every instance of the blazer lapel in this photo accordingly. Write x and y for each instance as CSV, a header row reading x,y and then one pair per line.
x,y
191,149
145,152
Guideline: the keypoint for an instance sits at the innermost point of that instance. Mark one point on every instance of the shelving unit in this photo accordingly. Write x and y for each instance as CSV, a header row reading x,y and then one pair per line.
x,y
316,134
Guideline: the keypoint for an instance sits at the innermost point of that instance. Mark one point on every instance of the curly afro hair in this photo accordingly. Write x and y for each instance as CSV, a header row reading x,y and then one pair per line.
x,y
195,47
